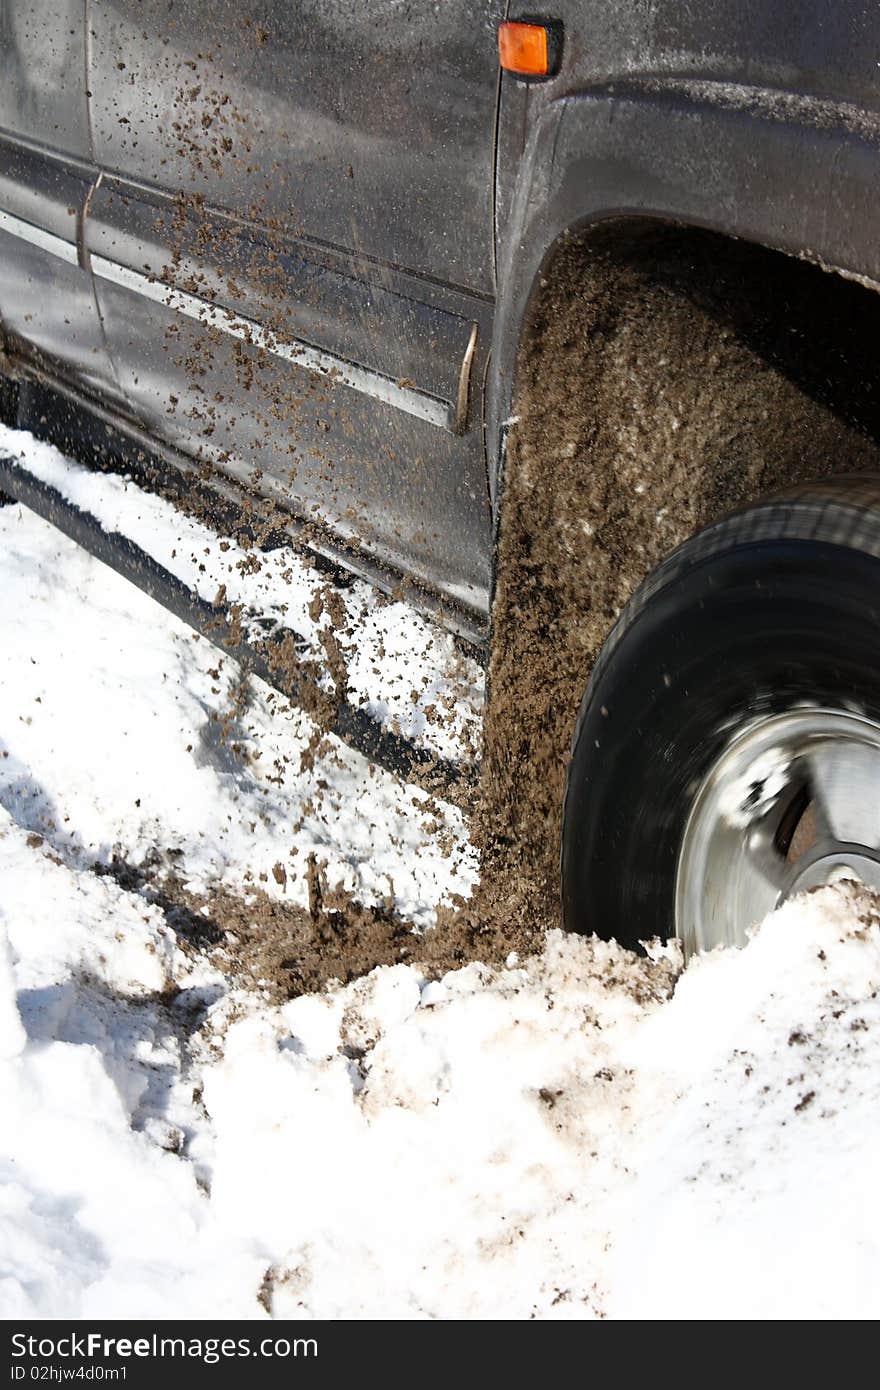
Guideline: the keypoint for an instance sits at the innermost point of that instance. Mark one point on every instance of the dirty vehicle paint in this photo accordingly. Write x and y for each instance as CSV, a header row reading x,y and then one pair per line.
x,y
321,181
274,238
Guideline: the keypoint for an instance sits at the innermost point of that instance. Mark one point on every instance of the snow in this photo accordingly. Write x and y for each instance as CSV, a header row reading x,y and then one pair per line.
x,y
761,1173
414,656
101,768
567,1137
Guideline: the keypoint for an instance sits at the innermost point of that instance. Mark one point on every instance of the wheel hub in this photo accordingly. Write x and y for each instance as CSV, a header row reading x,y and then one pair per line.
x,y
833,868
792,803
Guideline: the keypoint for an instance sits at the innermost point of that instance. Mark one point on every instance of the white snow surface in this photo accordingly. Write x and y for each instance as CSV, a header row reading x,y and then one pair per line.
x,y
558,1139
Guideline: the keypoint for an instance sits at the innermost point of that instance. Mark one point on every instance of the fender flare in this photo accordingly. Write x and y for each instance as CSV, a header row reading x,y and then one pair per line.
x,y
793,173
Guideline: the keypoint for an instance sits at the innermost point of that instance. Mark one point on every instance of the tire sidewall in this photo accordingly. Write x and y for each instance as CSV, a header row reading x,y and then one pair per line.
x,y
728,635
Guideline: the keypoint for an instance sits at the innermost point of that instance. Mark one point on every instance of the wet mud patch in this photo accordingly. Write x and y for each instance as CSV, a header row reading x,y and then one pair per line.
x,y
285,949
282,949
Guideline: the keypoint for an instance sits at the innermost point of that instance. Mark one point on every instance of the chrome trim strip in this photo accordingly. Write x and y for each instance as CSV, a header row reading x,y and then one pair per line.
x,y
341,373
46,241
299,354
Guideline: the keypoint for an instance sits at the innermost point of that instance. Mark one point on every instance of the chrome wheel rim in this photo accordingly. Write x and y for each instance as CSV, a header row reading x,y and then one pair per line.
x,y
792,803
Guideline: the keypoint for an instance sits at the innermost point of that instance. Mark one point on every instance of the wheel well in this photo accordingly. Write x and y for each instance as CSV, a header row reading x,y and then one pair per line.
x,y
666,375
803,335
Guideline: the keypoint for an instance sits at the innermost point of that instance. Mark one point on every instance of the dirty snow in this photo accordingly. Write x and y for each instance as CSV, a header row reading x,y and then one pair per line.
x,y
421,669
567,1137
118,734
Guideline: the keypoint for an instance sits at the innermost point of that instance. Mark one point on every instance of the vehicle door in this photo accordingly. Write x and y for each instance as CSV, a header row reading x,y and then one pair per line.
x,y
315,183
46,300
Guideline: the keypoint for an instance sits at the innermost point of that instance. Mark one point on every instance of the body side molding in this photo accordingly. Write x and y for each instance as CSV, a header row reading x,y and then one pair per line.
x,y
421,404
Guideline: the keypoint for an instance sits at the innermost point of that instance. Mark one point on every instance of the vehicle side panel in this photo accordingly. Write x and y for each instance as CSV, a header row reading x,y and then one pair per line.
x,y
324,172
759,121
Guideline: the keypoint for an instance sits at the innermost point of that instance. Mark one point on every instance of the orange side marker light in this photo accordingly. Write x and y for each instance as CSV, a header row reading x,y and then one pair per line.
x,y
527,50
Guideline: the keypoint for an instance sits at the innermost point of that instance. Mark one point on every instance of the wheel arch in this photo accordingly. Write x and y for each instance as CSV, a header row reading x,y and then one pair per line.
x,y
740,161
607,473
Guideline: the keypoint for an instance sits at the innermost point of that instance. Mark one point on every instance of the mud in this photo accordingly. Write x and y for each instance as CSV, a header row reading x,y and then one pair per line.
x,y
668,379
283,950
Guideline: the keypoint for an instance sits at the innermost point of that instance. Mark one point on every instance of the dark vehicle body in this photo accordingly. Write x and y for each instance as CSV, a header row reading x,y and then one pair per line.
x,y
556,355
300,243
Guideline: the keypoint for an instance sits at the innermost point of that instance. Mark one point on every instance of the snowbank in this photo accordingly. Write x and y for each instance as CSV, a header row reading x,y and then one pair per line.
x,y
576,1135
555,1140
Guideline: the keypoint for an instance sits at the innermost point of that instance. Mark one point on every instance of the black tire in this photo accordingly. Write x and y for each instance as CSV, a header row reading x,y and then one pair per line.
x,y
773,607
